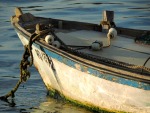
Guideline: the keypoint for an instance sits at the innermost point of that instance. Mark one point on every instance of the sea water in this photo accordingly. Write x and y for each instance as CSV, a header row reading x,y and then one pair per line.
x,y
32,95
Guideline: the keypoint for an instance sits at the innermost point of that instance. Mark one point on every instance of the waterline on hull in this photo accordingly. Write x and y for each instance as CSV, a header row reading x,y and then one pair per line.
x,y
86,88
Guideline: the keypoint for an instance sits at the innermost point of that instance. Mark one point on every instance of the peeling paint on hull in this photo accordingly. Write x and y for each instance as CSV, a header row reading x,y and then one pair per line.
x,y
78,84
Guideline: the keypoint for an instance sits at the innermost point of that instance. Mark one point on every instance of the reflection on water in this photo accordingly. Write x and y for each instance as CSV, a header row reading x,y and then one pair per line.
x,y
58,106
31,96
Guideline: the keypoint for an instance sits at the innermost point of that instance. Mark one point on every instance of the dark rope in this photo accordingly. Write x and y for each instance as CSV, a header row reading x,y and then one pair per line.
x,y
78,47
32,39
24,64
145,63
131,50
11,93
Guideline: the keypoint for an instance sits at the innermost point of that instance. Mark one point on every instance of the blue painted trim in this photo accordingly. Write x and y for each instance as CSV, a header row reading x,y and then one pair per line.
x,y
97,73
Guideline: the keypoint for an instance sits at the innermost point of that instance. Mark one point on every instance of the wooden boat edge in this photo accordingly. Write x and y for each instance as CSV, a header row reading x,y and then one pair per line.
x,y
93,64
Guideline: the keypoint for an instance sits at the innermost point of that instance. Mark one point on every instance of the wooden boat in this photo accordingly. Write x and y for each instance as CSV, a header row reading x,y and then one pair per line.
x,y
95,66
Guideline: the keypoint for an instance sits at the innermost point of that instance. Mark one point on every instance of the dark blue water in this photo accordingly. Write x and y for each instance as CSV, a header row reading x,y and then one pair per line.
x,y
32,95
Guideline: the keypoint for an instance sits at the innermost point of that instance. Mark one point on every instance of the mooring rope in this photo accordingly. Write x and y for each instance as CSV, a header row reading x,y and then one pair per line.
x,y
25,63
24,72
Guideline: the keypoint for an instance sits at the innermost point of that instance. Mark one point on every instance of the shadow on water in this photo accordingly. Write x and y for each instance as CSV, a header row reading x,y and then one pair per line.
x,y
30,7
94,3
10,102
139,8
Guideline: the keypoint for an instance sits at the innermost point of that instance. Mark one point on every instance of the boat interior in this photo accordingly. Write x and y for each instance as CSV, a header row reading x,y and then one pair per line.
x,y
92,39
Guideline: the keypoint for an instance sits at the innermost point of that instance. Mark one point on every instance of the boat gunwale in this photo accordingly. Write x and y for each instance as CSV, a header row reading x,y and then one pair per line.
x,y
86,62
128,32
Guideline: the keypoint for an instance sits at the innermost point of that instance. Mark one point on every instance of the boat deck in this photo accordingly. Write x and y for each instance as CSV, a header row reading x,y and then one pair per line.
x,y
121,48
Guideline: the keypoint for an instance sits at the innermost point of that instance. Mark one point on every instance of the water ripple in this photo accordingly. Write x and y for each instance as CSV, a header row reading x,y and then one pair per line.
x,y
30,7
94,3
139,8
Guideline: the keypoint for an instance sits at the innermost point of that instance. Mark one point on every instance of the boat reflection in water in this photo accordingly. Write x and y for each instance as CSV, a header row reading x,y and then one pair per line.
x,y
58,106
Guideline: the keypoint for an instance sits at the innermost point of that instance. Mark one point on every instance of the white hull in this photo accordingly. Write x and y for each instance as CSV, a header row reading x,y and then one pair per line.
x,y
88,89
